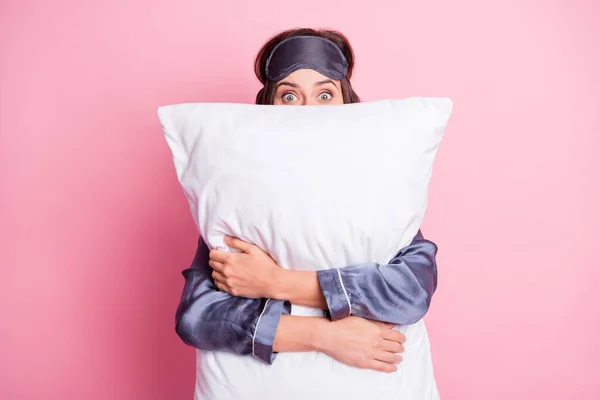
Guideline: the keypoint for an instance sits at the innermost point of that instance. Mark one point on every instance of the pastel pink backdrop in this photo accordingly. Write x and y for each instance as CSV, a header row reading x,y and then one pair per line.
x,y
95,229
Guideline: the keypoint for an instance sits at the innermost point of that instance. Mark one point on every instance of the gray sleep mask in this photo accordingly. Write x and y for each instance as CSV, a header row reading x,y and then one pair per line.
x,y
306,52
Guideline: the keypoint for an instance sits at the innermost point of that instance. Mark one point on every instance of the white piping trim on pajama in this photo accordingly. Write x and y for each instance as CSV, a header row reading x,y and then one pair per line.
x,y
345,293
257,323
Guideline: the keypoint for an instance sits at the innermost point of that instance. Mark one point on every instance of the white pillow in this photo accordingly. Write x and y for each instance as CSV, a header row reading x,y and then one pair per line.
x,y
316,187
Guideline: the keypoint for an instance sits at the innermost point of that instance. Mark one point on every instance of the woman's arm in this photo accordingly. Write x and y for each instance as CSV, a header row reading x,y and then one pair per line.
x,y
209,319
354,341
399,292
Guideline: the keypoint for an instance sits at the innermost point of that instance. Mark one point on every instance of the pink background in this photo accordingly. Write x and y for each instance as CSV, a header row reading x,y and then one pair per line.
x,y
95,229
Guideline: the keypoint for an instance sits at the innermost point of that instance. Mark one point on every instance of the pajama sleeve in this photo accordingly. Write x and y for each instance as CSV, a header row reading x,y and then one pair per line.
x,y
210,319
399,292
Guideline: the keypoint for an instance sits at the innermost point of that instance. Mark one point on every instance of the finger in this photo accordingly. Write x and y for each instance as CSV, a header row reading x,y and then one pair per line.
x,y
394,336
385,356
221,287
392,347
215,265
218,277
219,255
239,244
382,366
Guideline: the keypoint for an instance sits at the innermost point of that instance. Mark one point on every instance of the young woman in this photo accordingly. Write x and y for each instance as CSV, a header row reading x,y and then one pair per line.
x,y
242,302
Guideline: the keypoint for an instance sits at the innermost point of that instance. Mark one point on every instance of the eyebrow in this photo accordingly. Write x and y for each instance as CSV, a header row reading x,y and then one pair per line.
x,y
326,81
284,83
320,83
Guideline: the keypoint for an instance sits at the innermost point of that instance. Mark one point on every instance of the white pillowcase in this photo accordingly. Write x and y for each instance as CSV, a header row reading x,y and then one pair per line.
x,y
316,187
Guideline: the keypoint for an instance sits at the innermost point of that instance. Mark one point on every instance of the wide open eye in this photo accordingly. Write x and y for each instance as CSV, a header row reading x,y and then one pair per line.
x,y
289,97
325,96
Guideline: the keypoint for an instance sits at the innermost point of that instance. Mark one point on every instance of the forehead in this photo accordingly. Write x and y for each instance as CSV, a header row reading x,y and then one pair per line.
x,y
307,78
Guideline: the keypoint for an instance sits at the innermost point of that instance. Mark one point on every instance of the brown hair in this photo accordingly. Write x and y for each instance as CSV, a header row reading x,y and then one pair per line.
x,y
266,95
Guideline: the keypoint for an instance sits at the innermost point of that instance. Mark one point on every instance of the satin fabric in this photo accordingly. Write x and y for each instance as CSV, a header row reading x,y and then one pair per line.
x,y
210,319
399,292
306,52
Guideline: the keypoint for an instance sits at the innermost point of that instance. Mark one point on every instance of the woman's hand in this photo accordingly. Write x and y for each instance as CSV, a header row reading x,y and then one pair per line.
x,y
251,273
362,343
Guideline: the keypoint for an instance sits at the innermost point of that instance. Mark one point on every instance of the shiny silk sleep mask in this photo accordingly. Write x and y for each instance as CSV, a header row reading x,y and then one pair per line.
x,y
306,52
